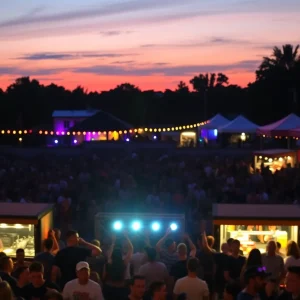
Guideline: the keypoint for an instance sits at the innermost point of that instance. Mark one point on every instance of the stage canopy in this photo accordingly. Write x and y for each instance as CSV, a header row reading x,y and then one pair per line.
x,y
281,127
239,125
215,122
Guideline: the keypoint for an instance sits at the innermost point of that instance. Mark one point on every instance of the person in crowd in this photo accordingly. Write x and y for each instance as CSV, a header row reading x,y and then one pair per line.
x,y
231,290
6,292
114,273
61,243
191,285
153,270
254,259
158,290
225,248
47,259
66,259
168,256
139,257
292,284
254,279
278,250
20,260
22,276
83,286
55,245
6,267
273,262
53,295
179,270
207,263
38,286
293,255
235,261
137,288
97,263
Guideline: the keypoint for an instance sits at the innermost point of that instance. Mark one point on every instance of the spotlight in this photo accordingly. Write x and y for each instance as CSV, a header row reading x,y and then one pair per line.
x,y
173,226
56,141
155,226
117,225
75,141
136,226
127,140
155,137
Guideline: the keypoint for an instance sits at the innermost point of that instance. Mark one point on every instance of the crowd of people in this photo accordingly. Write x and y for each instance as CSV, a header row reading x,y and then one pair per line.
x,y
134,268
158,183
131,267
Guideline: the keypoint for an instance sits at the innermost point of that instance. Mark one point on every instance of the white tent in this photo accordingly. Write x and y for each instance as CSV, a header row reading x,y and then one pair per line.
x,y
239,125
215,122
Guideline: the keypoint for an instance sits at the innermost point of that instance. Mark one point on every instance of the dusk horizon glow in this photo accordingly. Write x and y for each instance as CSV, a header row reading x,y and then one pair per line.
x,y
152,44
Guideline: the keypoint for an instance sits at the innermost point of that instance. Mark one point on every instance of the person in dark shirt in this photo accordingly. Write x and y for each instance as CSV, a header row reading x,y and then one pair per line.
x,y
67,258
231,291
235,261
6,267
22,276
254,279
292,289
222,273
179,269
46,258
38,287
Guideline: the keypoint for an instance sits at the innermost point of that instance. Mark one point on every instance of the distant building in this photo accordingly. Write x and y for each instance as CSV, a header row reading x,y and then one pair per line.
x,y
63,120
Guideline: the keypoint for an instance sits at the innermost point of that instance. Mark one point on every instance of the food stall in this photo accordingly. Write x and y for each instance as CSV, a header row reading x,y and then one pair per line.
x,y
255,225
24,225
275,159
188,139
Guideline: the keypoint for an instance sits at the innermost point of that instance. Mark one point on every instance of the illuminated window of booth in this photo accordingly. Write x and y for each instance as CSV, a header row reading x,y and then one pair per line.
x,y
113,135
257,236
102,137
15,236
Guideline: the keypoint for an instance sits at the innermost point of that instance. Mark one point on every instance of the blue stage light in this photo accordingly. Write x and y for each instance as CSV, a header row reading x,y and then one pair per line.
x,y
155,226
173,226
136,225
117,225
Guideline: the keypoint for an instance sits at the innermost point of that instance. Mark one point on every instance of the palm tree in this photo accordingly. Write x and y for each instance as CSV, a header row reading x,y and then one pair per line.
x,y
282,65
281,60
204,82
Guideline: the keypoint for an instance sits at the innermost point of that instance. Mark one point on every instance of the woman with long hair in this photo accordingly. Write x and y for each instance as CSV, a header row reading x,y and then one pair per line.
x,y
293,255
5,291
115,271
254,259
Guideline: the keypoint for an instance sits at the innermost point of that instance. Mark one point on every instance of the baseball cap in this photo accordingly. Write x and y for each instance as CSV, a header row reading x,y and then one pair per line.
x,y
256,271
82,265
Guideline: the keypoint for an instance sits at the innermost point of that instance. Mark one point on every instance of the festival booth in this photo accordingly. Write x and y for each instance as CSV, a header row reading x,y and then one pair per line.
x,y
281,127
240,128
255,225
25,226
295,133
209,131
275,159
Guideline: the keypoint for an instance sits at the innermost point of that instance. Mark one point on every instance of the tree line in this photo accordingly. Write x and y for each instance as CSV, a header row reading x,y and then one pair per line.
x,y
274,93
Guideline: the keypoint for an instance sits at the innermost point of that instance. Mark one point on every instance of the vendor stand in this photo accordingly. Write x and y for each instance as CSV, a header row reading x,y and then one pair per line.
x,y
255,225
25,226
275,159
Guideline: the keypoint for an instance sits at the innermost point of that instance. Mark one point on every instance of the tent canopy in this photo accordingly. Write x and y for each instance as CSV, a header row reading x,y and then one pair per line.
x,y
238,125
294,132
281,127
215,122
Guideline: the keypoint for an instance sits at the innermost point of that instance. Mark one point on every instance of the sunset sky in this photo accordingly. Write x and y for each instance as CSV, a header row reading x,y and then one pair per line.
x,y
150,43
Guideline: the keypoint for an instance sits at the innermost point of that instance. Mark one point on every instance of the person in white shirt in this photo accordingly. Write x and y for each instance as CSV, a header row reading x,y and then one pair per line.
x,y
82,287
193,287
293,255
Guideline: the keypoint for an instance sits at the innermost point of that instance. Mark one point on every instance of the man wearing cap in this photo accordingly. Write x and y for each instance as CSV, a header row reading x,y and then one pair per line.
x,y
82,288
254,278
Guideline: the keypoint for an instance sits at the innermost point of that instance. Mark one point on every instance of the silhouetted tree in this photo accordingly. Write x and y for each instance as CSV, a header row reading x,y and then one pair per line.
x,y
182,88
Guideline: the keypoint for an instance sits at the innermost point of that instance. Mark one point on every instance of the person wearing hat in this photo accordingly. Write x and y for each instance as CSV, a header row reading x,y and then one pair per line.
x,y
82,287
254,279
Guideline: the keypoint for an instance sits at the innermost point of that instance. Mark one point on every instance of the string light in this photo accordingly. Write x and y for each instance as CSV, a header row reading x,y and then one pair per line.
x,y
133,130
